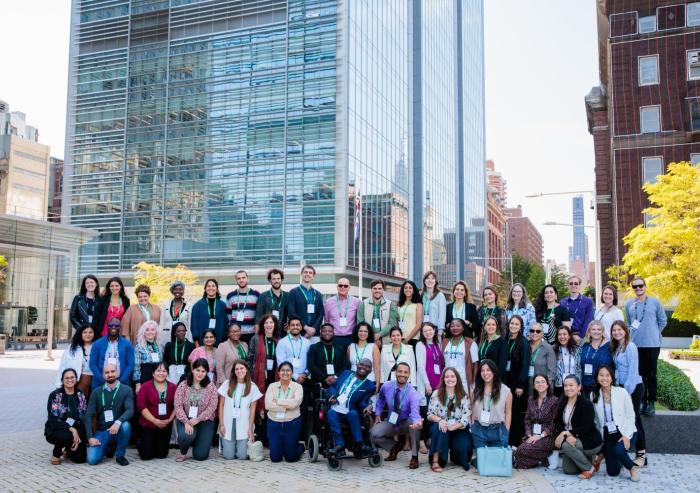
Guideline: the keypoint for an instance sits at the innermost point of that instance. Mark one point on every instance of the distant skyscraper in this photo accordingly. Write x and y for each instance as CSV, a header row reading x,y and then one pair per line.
x,y
578,253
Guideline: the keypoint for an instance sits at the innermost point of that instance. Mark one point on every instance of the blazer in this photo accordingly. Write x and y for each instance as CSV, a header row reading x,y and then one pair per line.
x,y
516,376
622,412
166,323
97,360
200,319
583,424
316,361
79,312
134,318
470,316
360,398
264,306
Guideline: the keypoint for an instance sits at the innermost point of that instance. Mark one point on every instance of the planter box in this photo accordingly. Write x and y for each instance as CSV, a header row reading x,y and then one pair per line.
x,y
673,432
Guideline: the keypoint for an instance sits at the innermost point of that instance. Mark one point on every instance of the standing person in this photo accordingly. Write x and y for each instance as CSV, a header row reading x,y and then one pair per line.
x,y
306,303
519,304
576,432
538,442
363,347
283,400
237,401
207,352
155,402
113,304
77,357
626,359
84,308
492,346
647,319
449,412
463,307
147,354
341,312
274,300
326,358
516,376
580,308
295,349
209,313
176,310
241,305
231,350
410,312
542,359
137,315
490,308
379,312
595,352
549,313
112,406
177,353
461,352
615,419
429,365
65,426
196,401
434,302
262,361
568,356
401,402
114,350
608,312
395,353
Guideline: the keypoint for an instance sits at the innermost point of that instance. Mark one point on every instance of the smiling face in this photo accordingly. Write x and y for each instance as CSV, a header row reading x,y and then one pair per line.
x,y
363,370
516,293
209,339
489,296
363,333
114,288
327,333
514,326
294,327
430,281
486,374
535,332
269,327
275,281
234,333
178,292
377,292
150,332
540,384
241,370
69,379
563,337
160,374
574,285
450,379
459,293
343,287
571,388
550,296
199,373
456,328
180,333
88,335
143,298
211,288
408,291
90,285
402,374
396,337
113,327
307,275
490,327
285,373
428,332
608,296
604,378
242,280
595,333
618,333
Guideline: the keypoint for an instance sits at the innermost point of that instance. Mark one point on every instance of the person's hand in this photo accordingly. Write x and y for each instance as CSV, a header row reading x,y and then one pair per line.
x,y
518,392
194,422
442,424
625,441
368,410
137,387
331,379
310,331
222,430
577,339
93,442
76,440
114,429
377,339
262,414
559,440
416,426
333,400
251,436
571,439
301,379
428,389
189,429
377,420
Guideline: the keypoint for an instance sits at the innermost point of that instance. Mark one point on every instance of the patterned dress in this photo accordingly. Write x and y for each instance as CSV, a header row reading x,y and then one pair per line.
x,y
533,454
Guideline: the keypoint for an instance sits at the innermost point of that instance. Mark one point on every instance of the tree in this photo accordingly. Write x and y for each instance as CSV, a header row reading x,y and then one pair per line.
x,y
3,269
666,252
160,278
560,280
529,274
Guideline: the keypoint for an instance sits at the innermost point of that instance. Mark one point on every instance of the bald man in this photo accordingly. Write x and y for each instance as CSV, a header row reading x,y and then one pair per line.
x,y
341,312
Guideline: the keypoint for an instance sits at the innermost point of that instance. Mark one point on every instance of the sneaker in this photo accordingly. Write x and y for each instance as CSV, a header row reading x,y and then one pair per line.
x,y
650,411
122,461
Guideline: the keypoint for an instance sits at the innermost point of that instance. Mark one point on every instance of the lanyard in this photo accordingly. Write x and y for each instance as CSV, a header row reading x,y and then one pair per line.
x,y
179,361
402,314
238,300
602,313
176,315
605,414
396,358
460,313
113,349
213,359
490,402
405,390
239,349
569,354
112,395
279,300
644,310
162,396
355,385
453,347
291,344
435,351
240,395
482,351
358,357
578,305
152,347
269,347
534,355
511,345
449,399
588,352
194,399
571,415
377,311
489,312
426,304
325,351
347,303
146,311
313,295
548,316
286,394
211,307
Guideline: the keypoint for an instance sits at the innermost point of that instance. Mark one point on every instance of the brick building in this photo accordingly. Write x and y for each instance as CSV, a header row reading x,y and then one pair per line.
x,y
645,114
522,237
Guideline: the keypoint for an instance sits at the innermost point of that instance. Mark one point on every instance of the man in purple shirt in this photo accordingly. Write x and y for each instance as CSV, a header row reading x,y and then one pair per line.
x,y
341,312
401,402
580,308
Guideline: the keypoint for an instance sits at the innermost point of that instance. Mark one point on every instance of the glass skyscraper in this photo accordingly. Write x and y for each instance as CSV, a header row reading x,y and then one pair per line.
x,y
235,134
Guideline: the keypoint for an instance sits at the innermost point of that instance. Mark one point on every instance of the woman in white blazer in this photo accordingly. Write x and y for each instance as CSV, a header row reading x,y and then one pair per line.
x,y
176,310
615,420
395,353
77,357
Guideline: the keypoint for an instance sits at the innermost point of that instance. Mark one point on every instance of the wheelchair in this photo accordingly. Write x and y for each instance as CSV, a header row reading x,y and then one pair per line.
x,y
320,442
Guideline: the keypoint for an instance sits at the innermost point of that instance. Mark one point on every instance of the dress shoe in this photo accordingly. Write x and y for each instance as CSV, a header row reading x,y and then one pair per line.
x,y
414,462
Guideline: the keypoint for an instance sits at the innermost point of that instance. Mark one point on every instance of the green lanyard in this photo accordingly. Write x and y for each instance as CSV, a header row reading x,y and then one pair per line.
x,y
447,403
291,343
453,347
461,314
152,347
340,313
241,352
313,295
179,312
240,396
162,396
402,314
358,357
325,351
396,358
286,394
179,361
112,395
279,301
511,345
405,390
269,348
482,352
489,312
146,311
534,356
426,304
356,385
482,405
238,300
377,312
546,318
195,399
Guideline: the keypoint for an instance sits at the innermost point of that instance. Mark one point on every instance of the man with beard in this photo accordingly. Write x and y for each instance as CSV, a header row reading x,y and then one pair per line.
x,y
112,349
326,359
241,305
274,300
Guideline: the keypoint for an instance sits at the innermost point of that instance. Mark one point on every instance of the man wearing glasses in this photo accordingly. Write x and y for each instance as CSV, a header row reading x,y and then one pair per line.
x,y
341,312
580,308
647,319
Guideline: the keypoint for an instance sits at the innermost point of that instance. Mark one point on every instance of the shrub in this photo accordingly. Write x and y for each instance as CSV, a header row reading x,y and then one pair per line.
x,y
675,390
676,328
695,344
685,354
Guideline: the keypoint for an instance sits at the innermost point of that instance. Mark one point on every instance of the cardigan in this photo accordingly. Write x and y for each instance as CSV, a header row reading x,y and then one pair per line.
x,y
97,360
517,372
583,424
167,321
226,356
149,398
622,412
287,403
134,318
627,367
199,321
434,310
206,404
62,406
497,351
544,361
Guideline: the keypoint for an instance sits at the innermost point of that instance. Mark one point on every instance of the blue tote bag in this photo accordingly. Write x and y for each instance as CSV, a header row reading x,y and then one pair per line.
x,y
495,461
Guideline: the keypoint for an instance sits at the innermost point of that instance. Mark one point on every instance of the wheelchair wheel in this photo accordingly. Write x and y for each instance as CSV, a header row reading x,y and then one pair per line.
x,y
312,447
335,464
375,460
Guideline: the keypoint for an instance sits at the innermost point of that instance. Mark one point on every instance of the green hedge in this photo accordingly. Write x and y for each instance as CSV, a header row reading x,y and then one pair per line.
x,y
675,390
676,328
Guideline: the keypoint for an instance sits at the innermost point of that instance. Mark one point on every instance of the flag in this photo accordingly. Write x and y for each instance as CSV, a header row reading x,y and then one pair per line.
x,y
357,214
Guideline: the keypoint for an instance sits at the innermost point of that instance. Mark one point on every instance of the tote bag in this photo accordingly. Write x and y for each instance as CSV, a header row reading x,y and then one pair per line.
x,y
495,461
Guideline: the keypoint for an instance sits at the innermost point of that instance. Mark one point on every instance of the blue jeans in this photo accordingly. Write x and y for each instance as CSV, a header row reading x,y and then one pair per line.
x,y
353,418
96,453
458,443
284,440
200,440
615,454
495,435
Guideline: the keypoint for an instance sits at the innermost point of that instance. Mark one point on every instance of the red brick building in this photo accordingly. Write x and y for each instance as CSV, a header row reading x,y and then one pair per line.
x,y
522,237
646,112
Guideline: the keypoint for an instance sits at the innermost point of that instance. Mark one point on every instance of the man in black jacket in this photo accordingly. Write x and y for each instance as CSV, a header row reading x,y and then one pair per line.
x,y
326,359
274,300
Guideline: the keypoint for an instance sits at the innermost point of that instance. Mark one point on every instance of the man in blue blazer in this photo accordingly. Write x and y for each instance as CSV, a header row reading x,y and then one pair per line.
x,y
350,395
113,349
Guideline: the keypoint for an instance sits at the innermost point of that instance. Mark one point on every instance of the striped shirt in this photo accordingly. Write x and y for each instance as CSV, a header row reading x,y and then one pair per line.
x,y
240,306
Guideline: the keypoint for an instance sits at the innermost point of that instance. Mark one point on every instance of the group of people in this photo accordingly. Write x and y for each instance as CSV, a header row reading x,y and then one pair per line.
x,y
436,378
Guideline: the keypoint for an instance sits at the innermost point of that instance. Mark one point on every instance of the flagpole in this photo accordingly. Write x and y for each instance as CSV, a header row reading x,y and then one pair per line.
x,y
361,263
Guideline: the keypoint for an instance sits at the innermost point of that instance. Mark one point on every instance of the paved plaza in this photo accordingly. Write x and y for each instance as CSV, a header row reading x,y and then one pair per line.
x,y
25,380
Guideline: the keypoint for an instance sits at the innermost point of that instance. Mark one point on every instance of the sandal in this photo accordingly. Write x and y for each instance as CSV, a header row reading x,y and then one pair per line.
x,y
55,461
640,459
423,449
180,458
436,467
586,475
597,461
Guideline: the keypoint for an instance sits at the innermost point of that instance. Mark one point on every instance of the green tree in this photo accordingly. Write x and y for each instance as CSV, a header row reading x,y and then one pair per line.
x,y
560,280
160,278
529,274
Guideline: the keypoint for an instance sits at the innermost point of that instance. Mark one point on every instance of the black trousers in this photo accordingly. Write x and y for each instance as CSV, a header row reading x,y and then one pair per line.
x,y
648,357
154,442
63,439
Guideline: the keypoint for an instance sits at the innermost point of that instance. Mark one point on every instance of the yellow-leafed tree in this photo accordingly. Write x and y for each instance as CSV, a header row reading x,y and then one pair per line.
x,y
667,252
160,278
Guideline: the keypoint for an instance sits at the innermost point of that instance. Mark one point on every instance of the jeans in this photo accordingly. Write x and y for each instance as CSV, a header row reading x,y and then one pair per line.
x,y
352,418
200,440
237,447
458,443
284,440
636,401
495,435
647,370
154,443
121,439
615,453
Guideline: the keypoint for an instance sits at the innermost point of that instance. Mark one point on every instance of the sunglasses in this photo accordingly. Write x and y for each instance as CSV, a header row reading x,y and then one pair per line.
x,y
535,331
637,286
343,285
113,326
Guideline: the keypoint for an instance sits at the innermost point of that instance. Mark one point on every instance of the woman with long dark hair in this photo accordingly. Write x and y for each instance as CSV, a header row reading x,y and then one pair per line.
x,y
550,314
492,404
84,308
490,308
362,346
568,356
516,376
429,365
209,313
65,428
207,351
177,353
538,442
77,357
410,312
434,302
237,401
113,304
492,346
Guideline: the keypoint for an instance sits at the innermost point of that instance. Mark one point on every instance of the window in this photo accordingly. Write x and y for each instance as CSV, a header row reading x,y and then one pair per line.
x,y
692,14
648,70
695,159
623,24
651,168
671,17
693,59
650,119
647,24
694,105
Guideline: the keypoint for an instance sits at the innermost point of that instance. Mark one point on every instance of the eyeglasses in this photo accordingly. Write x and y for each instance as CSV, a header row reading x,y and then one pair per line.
x,y
535,331
637,286
113,326
573,284
285,370
343,285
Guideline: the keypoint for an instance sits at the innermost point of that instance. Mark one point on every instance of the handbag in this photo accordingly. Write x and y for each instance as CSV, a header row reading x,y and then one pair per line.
x,y
495,461
255,451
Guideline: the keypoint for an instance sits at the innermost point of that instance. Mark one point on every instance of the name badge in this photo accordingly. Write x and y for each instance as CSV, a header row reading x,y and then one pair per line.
x,y
162,410
240,316
485,417
109,416
531,371
192,414
212,323
342,399
180,370
537,429
310,308
236,412
436,369
279,415
70,421
451,421
588,369
426,318
611,426
508,365
112,361
89,319
276,314
394,418
155,358
343,321
635,324
296,362
376,323
211,376
330,370
270,364
402,325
